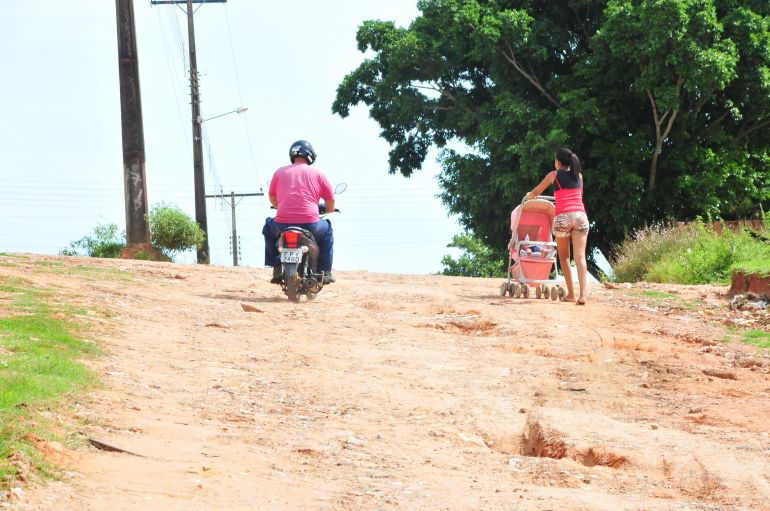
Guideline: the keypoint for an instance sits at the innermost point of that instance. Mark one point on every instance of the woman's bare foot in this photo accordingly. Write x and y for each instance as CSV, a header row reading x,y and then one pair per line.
x,y
581,300
569,298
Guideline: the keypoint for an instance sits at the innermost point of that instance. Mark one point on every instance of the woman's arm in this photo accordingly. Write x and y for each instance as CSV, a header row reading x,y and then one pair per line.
x,y
539,189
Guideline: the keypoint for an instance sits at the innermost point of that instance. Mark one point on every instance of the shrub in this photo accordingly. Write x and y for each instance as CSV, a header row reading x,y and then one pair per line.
x,y
706,257
104,242
478,260
634,258
691,254
173,231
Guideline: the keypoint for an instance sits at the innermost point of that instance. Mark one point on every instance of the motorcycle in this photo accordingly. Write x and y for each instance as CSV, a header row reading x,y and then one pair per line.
x,y
299,251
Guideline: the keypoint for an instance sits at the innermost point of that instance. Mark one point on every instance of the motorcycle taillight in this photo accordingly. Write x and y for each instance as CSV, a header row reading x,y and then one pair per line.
x,y
292,239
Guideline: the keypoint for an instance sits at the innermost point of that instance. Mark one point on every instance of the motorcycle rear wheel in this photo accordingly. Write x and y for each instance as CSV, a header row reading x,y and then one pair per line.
x,y
292,287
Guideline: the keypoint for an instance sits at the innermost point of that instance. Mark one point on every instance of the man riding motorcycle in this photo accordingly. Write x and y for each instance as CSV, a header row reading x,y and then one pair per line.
x,y
295,191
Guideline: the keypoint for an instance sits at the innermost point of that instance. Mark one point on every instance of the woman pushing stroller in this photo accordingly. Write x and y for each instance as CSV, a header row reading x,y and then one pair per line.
x,y
571,220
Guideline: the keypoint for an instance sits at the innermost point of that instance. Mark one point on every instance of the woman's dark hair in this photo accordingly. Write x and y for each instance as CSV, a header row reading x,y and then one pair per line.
x,y
567,157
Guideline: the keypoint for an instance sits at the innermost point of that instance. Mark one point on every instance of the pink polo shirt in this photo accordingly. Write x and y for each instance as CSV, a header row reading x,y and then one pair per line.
x,y
299,187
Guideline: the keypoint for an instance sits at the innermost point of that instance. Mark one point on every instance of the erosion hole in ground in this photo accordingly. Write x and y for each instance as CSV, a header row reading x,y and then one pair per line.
x,y
471,327
464,327
543,442
593,457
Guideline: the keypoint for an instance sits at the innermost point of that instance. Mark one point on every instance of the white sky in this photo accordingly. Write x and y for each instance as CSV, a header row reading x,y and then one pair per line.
x,y
60,135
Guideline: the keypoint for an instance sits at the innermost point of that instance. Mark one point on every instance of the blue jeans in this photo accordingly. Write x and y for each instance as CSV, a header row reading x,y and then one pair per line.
x,y
322,230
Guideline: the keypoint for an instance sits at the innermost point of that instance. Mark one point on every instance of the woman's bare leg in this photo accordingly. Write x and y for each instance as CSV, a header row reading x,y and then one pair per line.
x,y
562,244
579,242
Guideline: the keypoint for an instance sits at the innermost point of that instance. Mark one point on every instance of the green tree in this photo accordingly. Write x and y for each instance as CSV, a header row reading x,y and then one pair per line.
x,y
477,260
105,241
173,231
667,102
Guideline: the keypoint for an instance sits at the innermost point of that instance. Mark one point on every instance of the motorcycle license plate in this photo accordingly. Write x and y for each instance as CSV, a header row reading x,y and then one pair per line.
x,y
291,256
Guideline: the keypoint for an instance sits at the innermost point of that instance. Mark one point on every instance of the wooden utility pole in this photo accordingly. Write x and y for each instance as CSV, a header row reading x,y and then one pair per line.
x,y
135,183
232,203
200,185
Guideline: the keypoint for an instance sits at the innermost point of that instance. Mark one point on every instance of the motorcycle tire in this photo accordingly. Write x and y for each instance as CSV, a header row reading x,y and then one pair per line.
x,y
292,287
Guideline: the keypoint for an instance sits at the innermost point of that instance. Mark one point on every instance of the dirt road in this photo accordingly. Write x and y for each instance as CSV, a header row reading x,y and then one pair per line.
x,y
404,393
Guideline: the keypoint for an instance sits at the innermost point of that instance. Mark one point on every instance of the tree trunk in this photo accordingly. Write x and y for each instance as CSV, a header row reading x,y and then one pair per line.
x,y
660,137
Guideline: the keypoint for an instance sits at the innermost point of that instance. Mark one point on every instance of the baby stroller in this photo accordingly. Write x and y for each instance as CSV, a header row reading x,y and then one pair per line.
x,y
532,251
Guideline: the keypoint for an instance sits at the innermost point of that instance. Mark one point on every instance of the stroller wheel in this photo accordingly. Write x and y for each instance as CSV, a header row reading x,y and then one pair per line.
x,y
503,288
525,291
562,293
546,293
539,292
516,290
555,292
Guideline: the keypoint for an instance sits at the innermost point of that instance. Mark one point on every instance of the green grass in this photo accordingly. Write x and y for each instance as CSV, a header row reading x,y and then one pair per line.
x,y
10,264
690,254
659,294
668,298
39,363
757,338
95,272
759,266
62,268
48,263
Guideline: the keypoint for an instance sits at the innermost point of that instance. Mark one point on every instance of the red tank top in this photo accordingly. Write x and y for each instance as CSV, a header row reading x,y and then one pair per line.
x,y
568,199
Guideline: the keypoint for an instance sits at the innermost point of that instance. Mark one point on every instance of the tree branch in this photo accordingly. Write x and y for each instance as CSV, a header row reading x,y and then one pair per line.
x,y
530,77
660,137
583,28
754,128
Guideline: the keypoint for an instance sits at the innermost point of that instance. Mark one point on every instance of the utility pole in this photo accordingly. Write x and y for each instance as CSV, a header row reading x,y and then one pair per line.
x,y
134,178
200,185
232,203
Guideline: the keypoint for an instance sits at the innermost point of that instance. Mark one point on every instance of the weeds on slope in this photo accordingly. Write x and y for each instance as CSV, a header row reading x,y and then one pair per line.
x,y
688,254
39,362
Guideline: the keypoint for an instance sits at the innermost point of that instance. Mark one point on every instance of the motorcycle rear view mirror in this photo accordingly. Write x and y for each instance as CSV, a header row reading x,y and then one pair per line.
x,y
341,187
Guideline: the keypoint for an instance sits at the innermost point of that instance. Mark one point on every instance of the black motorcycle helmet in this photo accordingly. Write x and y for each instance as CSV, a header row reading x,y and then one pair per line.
x,y
304,149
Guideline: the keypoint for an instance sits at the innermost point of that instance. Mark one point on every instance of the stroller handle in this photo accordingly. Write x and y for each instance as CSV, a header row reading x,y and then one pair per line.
x,y
542,197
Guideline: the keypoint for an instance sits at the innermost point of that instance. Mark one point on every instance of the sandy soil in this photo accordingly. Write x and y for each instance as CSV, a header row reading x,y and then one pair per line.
x,y
404,392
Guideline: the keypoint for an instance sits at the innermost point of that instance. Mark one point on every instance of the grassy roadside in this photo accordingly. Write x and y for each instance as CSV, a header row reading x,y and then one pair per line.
x,y
690,254
39,363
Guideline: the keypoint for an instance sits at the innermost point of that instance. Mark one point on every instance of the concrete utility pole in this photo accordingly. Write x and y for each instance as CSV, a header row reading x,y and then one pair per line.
x,y
135,183
232,203
200,185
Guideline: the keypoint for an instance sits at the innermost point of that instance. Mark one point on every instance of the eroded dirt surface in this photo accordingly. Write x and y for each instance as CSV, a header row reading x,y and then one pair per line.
x,y
405,392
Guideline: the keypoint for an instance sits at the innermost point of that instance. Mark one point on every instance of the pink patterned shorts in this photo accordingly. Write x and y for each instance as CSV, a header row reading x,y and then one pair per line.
x,y
566,223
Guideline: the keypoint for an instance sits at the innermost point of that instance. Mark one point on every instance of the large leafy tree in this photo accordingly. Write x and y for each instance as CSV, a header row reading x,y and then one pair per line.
x,y
667,102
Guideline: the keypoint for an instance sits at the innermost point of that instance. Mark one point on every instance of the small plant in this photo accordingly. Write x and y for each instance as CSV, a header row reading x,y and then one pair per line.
x,y
173,231
103,242
478,260
757,338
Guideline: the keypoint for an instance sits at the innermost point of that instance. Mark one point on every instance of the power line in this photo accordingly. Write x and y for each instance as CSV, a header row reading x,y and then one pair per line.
x,y
174,83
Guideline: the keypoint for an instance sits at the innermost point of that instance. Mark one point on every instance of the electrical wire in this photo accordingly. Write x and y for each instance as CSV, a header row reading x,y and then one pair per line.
x,y
174,84
240,96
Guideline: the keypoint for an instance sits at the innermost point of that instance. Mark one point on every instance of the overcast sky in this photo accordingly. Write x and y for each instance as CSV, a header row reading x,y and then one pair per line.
x,y
60,135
